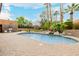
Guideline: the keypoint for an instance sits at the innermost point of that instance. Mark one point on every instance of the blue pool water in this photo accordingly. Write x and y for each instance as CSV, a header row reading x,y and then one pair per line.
x,y
50,39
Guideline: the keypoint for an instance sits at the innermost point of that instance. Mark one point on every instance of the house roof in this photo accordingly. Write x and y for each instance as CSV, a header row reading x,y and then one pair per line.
x,y
7,22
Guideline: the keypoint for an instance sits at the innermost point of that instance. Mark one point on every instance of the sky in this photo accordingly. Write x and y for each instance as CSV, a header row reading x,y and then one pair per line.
x,y
30,11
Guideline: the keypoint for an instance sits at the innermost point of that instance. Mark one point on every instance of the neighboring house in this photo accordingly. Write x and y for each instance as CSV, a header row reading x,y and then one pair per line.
x,y
8,26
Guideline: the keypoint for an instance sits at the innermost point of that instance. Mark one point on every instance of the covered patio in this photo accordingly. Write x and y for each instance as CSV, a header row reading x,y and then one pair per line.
x,y
8,26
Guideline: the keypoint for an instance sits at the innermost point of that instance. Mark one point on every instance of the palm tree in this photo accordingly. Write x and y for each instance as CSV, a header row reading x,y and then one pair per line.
x,y
61,12
50,7
0,7
47,9
49,12
43,16
56,15
71,9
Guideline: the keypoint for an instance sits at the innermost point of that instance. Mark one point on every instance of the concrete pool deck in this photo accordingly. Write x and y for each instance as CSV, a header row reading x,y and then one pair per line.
x,y
12,44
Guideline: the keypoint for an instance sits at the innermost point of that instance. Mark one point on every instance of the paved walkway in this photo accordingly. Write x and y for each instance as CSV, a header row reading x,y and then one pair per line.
x,y
13,44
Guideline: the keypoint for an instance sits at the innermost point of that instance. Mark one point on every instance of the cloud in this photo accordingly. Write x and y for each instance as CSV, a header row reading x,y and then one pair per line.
x,y
6,6
5,16
28,5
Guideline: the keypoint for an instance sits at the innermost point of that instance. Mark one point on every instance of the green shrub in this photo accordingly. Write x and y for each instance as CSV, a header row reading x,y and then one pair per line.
x,y
69,25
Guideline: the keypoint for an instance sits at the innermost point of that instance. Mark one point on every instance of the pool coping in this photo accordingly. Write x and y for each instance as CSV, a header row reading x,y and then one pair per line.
x,y
75,38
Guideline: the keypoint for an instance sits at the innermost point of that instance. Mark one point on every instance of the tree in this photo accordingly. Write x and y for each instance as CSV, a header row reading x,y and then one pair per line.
x,y
45,25
49,12
50,7
21,21
0,7
43,15
43,18
71,9
56,15
61,12
29,24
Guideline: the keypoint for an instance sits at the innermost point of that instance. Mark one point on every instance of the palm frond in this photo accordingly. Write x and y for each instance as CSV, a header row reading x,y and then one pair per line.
x,y
66,10
69,7
76,7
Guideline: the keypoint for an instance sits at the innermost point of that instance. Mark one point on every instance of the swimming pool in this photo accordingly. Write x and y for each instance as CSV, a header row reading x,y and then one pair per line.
x,y
50,39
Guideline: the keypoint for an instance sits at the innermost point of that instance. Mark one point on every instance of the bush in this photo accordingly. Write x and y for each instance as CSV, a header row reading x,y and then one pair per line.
x,y
60,27
53,27
46,25
69,25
